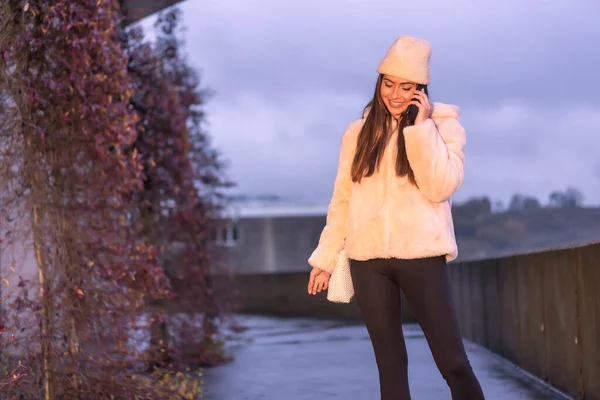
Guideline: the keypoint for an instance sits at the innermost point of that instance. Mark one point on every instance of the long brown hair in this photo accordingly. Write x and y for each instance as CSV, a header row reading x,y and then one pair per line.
x,y
373,138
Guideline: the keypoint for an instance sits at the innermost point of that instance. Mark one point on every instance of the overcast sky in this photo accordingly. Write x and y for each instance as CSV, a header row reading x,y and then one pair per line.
x,y
290,76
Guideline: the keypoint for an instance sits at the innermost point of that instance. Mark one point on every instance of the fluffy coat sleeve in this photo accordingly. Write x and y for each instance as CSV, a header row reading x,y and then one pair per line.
x,y
436,155
332,238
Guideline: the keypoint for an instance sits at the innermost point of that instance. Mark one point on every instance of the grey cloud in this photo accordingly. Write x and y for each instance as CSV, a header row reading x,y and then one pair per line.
x,y
596,172
539,151
514,148
482,53
290,76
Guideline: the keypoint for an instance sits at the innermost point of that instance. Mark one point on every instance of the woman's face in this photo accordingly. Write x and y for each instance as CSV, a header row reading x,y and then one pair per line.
x,y
396,94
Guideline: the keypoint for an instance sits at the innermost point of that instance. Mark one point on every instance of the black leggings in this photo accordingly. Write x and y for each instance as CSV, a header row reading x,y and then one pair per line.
x,y
425,283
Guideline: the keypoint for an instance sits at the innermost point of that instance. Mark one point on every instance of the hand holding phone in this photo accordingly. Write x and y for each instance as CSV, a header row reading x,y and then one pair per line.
x,y
412,110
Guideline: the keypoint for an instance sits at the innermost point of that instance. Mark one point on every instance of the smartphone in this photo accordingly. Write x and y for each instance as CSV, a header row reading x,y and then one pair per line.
x,y
412,110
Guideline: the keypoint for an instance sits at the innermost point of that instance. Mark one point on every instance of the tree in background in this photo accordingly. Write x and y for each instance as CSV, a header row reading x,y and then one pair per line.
x,y
570,198
519,202
469,213
182,193
473,208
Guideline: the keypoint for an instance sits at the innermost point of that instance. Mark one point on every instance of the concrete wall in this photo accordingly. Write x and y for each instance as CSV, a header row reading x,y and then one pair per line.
x,y
286,294
540,311
274,244
17,262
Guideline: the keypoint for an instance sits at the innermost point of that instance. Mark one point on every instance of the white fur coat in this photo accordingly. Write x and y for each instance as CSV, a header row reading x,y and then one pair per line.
x,y
385,216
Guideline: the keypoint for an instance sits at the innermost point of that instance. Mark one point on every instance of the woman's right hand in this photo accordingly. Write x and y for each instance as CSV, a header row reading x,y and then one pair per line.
x,y
318,281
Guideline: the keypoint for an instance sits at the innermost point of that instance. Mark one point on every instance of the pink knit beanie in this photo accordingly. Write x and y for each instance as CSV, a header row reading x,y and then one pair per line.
x,y
407,58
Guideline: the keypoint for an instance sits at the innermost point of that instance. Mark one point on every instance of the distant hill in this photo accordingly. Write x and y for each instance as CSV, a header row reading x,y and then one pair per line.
x,y
482,233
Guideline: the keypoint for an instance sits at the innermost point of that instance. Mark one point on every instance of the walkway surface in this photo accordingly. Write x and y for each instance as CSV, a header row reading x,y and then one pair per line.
x,y
306,359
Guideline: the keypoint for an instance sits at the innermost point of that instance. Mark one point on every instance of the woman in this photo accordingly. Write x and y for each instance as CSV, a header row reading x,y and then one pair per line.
x,y
391,211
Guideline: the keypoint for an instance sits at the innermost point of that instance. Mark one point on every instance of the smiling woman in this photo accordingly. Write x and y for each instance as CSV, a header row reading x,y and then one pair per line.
x,y
392,97
396,93
390,213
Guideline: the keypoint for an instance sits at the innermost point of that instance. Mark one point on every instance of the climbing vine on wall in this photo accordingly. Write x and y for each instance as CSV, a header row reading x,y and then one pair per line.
x,y
80,164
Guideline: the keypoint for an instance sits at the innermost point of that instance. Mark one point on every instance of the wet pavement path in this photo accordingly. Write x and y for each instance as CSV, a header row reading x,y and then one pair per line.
x,y
307,359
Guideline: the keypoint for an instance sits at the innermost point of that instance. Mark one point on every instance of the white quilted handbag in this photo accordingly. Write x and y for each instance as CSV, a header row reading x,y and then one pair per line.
x,y
340,288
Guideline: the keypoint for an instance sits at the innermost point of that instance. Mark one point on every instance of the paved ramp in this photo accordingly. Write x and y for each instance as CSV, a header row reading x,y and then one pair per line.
x,y
306,359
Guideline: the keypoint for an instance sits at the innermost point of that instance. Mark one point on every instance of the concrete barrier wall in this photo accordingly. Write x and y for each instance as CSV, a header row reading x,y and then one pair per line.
x,y
540,311
286,294
275,244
